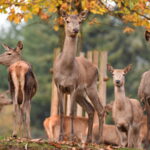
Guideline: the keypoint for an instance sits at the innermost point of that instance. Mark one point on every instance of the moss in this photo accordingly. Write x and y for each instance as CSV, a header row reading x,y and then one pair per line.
x,y
19,144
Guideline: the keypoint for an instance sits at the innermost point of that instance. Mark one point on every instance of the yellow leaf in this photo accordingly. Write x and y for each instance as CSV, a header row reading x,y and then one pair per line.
x,y
24,8
35,9
17,19
128,30
27,16
11,17
56,28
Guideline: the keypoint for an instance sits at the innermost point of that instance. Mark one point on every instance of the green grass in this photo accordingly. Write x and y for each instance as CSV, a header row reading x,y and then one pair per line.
x,y
22,144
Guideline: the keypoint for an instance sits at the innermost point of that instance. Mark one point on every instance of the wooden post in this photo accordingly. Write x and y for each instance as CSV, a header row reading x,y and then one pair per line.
x,y
96,62
103,77
68,105
95,57
79,110
54,98
89,55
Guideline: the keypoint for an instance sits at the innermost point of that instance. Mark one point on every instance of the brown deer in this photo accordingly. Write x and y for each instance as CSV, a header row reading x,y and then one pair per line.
x,y
144,94
110,135
23,86
76,76
52,128
127,113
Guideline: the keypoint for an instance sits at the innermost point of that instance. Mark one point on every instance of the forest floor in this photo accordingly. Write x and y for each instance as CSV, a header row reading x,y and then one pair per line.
x,y
40,144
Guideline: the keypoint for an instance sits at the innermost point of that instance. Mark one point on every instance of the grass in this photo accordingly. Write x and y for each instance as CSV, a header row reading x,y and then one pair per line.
x,y
38,144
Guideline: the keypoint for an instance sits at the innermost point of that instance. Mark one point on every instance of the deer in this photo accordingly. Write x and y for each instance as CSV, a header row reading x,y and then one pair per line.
x,y
22,86
52,129
4,99
143,131
76,76
110,135
144,95
127,113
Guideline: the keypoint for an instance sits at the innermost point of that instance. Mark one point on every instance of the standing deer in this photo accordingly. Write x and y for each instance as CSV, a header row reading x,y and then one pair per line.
x,y
76,76
127,113
23,86
144,94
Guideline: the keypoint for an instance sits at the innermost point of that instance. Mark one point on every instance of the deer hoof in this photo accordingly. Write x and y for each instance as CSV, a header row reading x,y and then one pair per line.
x,y
89,140
61,138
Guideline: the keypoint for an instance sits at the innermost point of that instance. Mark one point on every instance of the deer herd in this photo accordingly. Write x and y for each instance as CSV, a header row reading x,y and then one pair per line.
x,y
78,77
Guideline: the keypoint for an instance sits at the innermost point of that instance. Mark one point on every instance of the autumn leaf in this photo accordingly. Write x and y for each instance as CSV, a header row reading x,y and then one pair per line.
x,y
128,30
56,28
27,16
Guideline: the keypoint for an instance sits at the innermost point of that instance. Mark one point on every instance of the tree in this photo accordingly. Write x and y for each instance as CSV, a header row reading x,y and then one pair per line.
x,y
135,11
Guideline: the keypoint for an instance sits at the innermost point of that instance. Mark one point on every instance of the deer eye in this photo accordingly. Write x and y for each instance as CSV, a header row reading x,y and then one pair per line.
x,y
8,53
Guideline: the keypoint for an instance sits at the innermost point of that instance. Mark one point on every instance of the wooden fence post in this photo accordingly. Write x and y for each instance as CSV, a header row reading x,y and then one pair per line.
x,y
54,97
103,77
68,105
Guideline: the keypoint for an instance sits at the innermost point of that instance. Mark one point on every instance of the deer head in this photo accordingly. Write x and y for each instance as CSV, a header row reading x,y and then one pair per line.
x,y
4,99
11,55
72,22
119,74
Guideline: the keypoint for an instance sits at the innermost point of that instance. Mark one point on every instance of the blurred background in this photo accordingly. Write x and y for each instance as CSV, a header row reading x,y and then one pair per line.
x,y
40,40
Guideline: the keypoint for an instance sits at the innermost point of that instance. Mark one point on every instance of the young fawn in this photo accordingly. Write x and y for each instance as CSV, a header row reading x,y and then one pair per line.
x,y
127,113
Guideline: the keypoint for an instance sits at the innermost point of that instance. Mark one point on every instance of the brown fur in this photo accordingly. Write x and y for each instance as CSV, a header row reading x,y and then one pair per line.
x,y
110,135
143,131
76,76
144,94
23,86
52,128
127,113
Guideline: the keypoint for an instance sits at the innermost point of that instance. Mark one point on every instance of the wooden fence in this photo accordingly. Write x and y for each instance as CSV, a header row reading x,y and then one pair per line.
x,y
99,58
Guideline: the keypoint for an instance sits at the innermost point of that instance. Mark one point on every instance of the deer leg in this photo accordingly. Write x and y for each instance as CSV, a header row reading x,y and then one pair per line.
x,y
93,96
130,137
16,86
61,112
27,114
81,100
72,113
147,142
22,83
120,137
16,113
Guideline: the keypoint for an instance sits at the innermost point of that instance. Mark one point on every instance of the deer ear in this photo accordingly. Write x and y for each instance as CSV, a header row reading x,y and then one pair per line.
x,y
83,15
110,68
6,47
19,46
64,14
127,69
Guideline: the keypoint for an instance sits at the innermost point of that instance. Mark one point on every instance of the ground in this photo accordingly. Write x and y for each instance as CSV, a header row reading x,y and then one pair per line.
x,y
39,144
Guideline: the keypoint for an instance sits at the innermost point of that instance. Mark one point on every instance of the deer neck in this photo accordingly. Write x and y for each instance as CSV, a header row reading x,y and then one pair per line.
x,y
120,93
9,63
69,51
